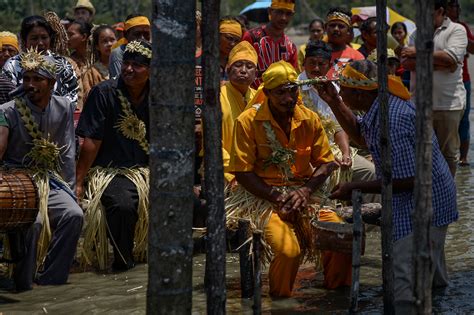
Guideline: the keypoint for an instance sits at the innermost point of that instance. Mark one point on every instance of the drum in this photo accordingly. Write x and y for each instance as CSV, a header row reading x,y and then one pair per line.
x,y
18,200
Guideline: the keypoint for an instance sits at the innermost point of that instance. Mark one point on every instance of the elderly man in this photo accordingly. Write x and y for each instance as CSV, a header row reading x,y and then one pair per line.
x,y
114,157
270,40
449,94
236,94
8,46
137,27
338,30
359,92
84,11
29,125
280,156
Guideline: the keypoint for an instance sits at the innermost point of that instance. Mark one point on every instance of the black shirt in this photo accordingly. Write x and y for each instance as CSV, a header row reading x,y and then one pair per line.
x,y
98,121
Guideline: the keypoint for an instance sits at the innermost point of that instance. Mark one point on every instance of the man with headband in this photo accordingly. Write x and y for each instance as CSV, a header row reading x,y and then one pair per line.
x,y
230,34
280,156
37,133
359,93
112,171
8,46
270,41
338,26
137,27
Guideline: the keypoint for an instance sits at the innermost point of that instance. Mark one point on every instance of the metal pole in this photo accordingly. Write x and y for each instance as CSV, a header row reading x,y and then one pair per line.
x,y
170,245
387,244
423,178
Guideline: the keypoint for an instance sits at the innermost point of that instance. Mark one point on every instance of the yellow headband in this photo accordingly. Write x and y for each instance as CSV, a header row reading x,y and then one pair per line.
x,y
8,38
352,78
243,51
279,73
339,16
231,27
136,21
283,5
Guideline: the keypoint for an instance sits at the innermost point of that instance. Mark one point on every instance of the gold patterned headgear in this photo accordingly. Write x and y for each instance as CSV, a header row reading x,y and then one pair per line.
x,y
283,5
139,51
352,78
339,16
32,60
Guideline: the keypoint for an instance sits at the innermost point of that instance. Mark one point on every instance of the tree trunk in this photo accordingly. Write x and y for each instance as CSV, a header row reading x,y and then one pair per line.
x,y
213,164
170,246
387,245
356,248
423,178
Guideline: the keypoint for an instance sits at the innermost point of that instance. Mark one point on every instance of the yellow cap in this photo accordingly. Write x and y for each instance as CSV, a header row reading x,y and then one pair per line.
x,y
136,21
85,4
243,51
279,73
8,38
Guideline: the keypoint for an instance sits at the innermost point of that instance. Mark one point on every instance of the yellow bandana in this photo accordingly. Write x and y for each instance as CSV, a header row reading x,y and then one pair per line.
x,y
279,73
352,78
339,16
136,21
8,38
231,27
283,5
243,51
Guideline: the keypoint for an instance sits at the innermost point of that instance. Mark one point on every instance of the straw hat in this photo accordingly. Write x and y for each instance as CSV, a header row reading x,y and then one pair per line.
x,y
85,4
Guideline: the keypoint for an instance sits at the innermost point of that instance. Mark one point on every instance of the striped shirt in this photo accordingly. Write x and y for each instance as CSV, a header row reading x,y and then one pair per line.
x,y
402,123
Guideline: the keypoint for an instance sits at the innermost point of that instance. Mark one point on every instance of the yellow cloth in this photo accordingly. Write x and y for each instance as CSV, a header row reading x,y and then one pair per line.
x,y
8,38
301,54
231,27
279,73
286,256
337,266
136,21
120,42
250,144
283,5
232,104
243,51
352,78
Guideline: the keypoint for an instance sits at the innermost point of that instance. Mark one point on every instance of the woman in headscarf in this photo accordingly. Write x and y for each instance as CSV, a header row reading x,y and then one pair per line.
x,y
49,37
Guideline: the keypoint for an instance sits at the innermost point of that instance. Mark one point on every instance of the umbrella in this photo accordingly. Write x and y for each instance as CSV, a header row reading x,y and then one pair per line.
x,y
392,16
257,11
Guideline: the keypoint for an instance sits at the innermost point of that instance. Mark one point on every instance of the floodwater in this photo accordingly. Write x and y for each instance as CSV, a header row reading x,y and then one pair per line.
x,y
125,293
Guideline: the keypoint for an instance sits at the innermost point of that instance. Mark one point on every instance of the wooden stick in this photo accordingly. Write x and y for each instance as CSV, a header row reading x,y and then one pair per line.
x,y
257,295
356,248
246,269
387,246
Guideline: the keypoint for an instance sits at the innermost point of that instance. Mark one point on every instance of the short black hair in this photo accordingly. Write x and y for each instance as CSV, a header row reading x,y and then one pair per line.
x,y
441,4
318,48
33,21
398,25
365,26
340,10
317,20
85,28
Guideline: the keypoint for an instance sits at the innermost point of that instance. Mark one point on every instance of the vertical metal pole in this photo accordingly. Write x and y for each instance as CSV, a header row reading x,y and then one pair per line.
x,y
246,269
170,240
387,244
356,248
257,250
424,148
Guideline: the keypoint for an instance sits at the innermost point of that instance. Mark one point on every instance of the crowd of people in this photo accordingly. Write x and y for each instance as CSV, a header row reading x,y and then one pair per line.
x,y
299,127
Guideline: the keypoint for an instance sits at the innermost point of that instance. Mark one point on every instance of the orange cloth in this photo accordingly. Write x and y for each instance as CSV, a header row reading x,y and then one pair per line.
x,y
337,266
283,5
286,256
250,145
120,42
340,58
233,104
230,27
8,38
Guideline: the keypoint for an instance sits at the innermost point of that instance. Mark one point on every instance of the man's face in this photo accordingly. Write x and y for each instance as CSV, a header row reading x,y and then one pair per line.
x,y
242,73
370,36
7,52
37,87
139,32
316,31
452,11
316,66
280,18
227,42
438,17
350,97
283,98
134,73
82,14
337,32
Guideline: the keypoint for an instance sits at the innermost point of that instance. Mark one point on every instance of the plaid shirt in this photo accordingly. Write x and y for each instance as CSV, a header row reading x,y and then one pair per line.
x,y
402,136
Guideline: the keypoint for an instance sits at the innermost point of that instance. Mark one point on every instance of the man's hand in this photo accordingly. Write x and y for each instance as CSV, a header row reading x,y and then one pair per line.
x,y
80,190
342,192
296,200
408,52
345,163
327,91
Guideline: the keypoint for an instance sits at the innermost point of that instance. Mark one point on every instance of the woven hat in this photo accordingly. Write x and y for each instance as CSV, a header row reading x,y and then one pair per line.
x,y
85,4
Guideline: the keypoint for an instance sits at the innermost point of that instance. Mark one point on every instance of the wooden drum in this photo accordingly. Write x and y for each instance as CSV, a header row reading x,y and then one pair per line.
x,y
18,200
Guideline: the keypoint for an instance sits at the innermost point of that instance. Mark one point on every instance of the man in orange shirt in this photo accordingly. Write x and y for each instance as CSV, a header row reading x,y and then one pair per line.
x,y
338,27
280,156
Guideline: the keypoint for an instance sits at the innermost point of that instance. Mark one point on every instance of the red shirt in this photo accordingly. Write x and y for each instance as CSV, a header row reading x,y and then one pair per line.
x,y
340,58
270,51
465,69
